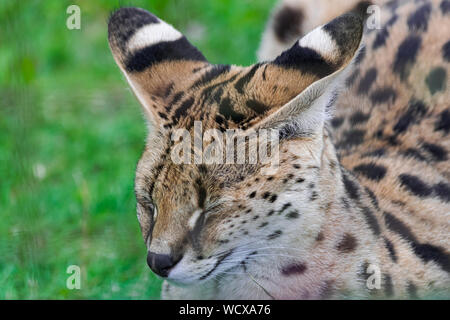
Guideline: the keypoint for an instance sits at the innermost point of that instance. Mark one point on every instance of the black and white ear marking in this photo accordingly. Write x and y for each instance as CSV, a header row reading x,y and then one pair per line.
x,y
124,23
346,32
139,39
325,53
326,49
153,56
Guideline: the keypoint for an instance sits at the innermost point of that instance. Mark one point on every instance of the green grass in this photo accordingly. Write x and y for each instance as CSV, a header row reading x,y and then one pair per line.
x,y
71,133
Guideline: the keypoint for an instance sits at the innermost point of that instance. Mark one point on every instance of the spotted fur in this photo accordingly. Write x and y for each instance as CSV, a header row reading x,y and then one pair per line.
x,y
364,174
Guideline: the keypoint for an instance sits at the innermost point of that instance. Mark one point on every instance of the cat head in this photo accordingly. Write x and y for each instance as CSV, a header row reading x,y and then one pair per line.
x,y
200,218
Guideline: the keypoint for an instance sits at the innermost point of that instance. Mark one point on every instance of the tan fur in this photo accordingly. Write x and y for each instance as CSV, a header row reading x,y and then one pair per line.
x,y
311,229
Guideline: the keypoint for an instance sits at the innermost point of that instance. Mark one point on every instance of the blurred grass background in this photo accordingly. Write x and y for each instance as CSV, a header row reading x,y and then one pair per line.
x,y
71,133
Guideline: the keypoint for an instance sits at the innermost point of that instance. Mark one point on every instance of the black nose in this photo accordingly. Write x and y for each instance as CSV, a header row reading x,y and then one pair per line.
x,y
160,263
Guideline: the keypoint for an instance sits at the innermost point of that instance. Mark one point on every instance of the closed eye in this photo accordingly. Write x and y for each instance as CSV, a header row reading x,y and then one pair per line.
x,y
147,207
210,209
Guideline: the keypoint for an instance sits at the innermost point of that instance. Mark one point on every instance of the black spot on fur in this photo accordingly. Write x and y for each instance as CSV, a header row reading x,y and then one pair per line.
x,y
414,153
415,185
179,49
442,190
429,252
437,152
406,55
446,51
226,109
314,196
412,290
383,33
176,98
359,117
287,23
351,187
292,214
392,5
275,235
252,195
242,82
337,122
397,226
445,6
169,89
257,106
346,203
182,110
373,198
351,79
371,171
391,249
273,198
388,286
352,138
201,191
212,74
285,206
162,115
320,237
426,252
392,20
371,220
436,80
297,268
418,21
263,225
366,82
383,95
207,92
416,110
347,244
380,39
219,119
305,60
443,123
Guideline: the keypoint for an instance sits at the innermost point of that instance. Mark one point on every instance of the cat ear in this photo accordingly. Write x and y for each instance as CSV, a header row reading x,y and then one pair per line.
x,y
155,58
321,59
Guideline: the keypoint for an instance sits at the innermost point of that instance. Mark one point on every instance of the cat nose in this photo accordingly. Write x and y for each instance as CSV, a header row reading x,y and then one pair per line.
x,y
161,263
